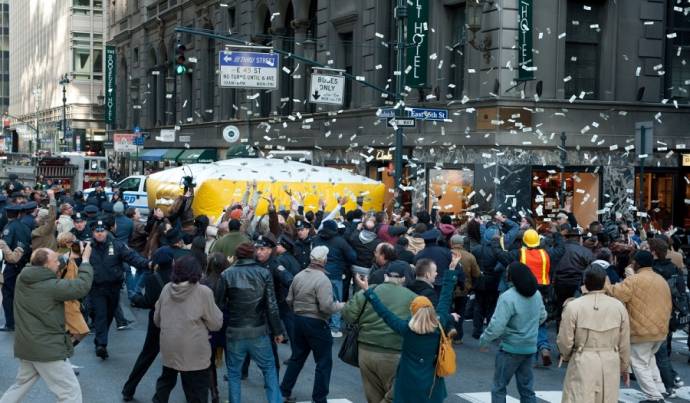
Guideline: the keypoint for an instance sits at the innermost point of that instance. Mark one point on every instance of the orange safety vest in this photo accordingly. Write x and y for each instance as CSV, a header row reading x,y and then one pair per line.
x,y
538,262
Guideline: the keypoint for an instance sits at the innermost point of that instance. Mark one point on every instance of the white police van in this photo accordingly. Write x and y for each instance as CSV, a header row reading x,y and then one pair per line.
x,y
133,190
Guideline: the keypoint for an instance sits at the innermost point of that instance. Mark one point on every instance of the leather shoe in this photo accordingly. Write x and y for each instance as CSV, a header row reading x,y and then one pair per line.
x,y
102,352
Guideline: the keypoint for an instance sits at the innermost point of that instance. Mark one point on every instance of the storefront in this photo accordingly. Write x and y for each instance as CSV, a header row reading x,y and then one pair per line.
x,y
584,188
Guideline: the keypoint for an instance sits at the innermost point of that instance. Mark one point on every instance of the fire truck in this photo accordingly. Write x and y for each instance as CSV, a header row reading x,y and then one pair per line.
x,y
72,171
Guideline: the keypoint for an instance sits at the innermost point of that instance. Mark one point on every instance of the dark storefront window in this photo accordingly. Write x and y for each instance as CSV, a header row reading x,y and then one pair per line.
x,y
658,197
582,49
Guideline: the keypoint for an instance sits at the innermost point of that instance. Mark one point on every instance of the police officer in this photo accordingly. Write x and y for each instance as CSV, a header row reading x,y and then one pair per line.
x,y
3,215
16,234
284,249
107,258
79,202
80,229
302,245
91,212
98,196
13,185
29,214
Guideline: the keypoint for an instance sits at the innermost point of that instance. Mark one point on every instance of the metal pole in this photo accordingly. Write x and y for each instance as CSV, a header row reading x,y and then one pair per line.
x,y
64,111
643,146
564,159
400,15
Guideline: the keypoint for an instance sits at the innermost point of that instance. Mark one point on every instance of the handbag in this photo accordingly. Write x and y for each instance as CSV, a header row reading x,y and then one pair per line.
x,y
349,350
445,362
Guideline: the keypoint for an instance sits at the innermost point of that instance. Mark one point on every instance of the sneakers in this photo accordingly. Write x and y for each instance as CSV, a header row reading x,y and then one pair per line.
x,y
677,382
102,352
336,334
125,326
671,394
545,357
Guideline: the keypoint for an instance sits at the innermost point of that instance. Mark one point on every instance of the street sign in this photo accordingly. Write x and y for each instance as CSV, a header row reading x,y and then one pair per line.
x,y
138,140
248,69
401,122
326,89
231,134
386,113
428,114
124,142
167,136
137,129
108,144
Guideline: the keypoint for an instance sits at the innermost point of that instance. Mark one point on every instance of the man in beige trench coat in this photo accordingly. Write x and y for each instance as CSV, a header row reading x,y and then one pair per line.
x,y
594,338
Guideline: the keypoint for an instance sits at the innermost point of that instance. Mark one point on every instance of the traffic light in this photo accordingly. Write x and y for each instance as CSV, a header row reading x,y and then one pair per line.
x,y
180,61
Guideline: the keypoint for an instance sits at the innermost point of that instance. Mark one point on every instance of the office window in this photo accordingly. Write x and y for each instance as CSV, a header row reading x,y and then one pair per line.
x,y
81,63
347,62
582,51
677,77
457,57
81,7
97,64
81,40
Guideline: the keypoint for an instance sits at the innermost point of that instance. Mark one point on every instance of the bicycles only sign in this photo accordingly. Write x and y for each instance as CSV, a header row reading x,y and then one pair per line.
x,y
248,69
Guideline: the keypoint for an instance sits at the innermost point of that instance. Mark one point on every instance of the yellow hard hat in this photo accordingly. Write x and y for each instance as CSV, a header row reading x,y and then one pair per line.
x,y
531,238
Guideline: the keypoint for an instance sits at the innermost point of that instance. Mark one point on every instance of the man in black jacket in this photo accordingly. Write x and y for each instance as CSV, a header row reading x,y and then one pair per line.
x,y
425,274
569,272
107,259
253,319
302,243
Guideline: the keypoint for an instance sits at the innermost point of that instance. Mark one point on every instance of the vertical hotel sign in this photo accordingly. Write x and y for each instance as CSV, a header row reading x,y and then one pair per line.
x,y
110,83
417,41
526,71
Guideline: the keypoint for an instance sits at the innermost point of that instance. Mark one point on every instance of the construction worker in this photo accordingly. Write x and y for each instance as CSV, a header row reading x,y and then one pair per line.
x,y
539,258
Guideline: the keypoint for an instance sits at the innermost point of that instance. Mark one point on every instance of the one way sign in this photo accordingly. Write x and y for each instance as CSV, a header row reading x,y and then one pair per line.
x,y
326,89
400,122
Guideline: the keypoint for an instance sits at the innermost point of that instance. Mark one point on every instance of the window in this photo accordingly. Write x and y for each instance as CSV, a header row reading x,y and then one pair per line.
x,y
135,56
81,7
457,57
583,187
347,61
232,19
658,196
97,64
130,185
677,71
452,186
582,52
81,39
81,64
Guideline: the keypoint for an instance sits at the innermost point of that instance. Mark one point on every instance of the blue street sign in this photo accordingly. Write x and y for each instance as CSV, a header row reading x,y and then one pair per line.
x,y
137,129
386,113
139,141
248,69
428,114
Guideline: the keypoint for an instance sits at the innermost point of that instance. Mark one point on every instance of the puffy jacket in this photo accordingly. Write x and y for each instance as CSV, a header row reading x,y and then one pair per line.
x,y
39,312
648,300
250,298
340,253
572,265
364,243
440,255
107,259
374,333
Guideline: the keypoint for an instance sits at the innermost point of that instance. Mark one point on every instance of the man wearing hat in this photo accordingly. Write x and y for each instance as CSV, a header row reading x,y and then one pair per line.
x,y
91,214
284,254
124,225
568,273
438,254
80,230
29,215
647,298
97,197
16,234
107,258
302,243
13,184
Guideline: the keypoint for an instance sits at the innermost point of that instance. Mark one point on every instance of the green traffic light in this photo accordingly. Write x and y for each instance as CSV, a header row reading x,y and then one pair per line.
x,y
180,69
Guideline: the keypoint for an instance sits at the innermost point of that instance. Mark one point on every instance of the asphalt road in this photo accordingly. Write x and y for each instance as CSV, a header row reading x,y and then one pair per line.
x,y
101,381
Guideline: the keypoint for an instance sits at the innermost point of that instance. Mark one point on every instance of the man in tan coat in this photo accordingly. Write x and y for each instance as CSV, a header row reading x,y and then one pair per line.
x,y
594,338
648,300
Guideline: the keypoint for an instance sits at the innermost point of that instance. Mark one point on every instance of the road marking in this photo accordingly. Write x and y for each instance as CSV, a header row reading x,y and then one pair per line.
x,y
483,397
551,397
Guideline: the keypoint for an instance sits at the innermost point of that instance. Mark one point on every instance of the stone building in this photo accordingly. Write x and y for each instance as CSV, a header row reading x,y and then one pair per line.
x,y
513,76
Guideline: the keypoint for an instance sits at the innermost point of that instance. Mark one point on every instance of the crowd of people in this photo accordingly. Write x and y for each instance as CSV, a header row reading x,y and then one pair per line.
x,y
399,287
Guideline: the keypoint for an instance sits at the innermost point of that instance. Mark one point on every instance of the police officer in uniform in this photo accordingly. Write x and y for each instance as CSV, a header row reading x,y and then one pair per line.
x,y
29,216
3,215
16,234
91,212
107,258
302,245
80,229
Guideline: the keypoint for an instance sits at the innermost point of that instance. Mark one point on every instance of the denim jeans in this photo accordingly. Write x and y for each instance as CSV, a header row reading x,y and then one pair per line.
x,y
134,281
507,365
663,362
543,338
310,336
259,349
338,296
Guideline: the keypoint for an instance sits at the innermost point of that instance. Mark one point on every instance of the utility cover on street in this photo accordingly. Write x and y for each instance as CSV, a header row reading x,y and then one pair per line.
x,y
326,89
248,69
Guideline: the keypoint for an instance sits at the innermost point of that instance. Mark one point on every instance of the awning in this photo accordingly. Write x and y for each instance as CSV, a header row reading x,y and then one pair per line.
x,y
172,154
200,156
152,155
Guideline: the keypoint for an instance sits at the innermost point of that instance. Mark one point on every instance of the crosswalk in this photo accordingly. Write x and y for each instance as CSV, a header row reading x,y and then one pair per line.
x,y
625,396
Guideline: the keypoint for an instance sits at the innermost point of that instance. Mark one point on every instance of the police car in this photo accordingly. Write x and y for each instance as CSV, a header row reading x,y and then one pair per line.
x,y
133,190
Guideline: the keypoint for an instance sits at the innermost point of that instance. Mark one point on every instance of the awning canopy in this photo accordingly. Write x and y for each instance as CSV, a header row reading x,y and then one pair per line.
x,y
198,156
172,154
153,155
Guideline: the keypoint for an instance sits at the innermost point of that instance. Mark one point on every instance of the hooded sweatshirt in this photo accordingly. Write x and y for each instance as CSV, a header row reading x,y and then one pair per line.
x,y
519,312
364,243
185,312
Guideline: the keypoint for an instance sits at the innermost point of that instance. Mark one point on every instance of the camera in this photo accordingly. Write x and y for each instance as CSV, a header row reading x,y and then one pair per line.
x,y
188,183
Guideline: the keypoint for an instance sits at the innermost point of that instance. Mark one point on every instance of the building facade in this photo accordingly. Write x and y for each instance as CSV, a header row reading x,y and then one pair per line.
x,y
51,40
538,93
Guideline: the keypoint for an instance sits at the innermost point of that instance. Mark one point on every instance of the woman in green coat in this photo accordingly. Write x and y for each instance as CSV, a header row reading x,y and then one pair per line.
x,y
415,379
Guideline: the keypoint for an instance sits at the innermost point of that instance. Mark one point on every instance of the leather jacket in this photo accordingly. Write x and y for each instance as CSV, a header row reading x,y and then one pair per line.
x,y
249,295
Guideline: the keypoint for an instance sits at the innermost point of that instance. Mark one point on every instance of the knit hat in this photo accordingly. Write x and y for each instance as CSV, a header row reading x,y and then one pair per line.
x,y
236,214
118,208
330,226
320,253
644,258
522,278
245,250
419,303
457,239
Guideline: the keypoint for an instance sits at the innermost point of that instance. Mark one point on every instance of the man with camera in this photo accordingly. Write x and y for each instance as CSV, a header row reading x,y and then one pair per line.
x,y
41,343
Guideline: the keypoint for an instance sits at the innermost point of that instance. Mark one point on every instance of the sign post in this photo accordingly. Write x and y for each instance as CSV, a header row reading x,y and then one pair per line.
x,y
525,62
248,69
327,89
418,38
110,83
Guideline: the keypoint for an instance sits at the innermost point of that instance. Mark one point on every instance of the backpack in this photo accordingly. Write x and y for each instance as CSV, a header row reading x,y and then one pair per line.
x,y
680,313
445,362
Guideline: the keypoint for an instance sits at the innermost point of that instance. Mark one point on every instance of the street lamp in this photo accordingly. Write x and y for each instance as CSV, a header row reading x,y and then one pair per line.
x,y
474,9
64,80
36,92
